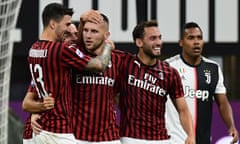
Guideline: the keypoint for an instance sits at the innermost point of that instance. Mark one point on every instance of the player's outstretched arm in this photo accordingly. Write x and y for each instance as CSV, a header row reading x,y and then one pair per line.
x,y
185,119
227,115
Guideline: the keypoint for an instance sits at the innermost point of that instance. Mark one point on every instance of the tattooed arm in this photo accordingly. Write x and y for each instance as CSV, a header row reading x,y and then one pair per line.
x,y
101,61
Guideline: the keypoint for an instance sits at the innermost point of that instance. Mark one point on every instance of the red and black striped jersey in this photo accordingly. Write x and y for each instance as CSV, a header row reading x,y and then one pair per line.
x,y
143,95
50,65
94,115
27,132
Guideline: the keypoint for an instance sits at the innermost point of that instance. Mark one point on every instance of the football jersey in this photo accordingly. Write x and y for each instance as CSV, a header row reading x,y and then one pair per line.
x,y
200,83
143,95
94,115
27,131
50,65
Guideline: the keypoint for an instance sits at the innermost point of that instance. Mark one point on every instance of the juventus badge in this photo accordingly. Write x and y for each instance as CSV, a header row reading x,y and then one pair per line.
x,y
207,74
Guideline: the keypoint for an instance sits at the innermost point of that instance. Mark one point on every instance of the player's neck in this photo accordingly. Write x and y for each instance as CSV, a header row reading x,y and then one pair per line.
x,y
48,35
192,60
96,51
145,59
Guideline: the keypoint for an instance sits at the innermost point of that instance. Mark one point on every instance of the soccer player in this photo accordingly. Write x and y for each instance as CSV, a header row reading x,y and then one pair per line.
x,y
31,103
203,83
71,35
94,116
50,64
145,83
100,92
36,106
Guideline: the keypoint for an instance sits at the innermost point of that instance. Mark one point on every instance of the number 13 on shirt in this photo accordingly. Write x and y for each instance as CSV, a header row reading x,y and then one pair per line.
x,y
37,77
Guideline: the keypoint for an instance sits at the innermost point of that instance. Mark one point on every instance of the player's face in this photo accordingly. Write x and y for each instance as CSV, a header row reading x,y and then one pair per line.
x,y
151,43
62,27
70,37
94,35
192,43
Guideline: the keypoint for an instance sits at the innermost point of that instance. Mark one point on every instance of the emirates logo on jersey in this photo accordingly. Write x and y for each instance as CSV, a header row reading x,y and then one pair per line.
x,y
207,74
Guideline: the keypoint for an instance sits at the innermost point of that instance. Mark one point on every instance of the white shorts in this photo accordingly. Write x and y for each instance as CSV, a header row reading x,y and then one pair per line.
x,y
46,137
103,142
28,141
128,140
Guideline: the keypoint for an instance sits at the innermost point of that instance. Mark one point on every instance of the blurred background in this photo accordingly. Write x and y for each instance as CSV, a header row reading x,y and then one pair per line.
x,y
219,20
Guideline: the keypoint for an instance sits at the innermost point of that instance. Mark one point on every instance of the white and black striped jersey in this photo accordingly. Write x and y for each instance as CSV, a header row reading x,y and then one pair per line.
x,y
200,83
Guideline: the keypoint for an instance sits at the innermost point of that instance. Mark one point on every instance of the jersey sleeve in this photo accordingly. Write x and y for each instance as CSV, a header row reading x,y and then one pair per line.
x,y
31,87
122,55
220,88
72,57
176,88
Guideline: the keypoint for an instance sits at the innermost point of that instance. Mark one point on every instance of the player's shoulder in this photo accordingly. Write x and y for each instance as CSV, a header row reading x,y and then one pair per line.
x,y
210,63
56,44
71,46
74,47
120,53
163,63
173,59
46,44
207,60
167,63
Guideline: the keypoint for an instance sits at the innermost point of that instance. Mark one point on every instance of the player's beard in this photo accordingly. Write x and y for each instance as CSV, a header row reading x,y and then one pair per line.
x,y
150,53
60,37
94,47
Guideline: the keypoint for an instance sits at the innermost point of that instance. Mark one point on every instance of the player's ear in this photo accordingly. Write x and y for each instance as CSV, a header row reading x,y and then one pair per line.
x,y
107,35
52,24
180,43
139,42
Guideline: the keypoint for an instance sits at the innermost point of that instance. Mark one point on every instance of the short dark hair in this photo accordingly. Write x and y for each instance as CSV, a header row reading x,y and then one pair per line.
x,y
188,26
138,31
105,18
55,11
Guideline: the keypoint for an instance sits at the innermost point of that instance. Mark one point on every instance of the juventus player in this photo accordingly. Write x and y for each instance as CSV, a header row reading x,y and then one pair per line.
x,y
50,63
145,83
202,82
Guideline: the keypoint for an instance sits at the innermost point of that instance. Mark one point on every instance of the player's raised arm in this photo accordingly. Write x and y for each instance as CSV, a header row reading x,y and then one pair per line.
x,y
93,16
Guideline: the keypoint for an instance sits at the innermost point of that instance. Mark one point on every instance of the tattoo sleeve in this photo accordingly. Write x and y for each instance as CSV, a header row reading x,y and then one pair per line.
x,y
100,62
106,55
